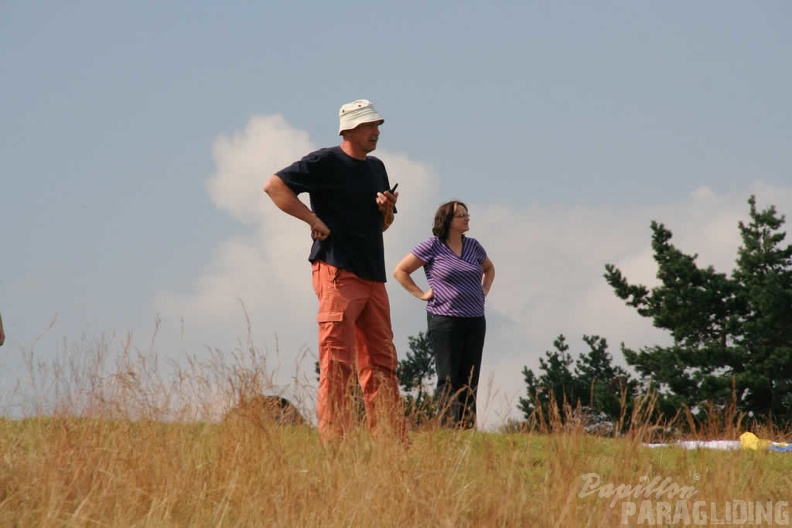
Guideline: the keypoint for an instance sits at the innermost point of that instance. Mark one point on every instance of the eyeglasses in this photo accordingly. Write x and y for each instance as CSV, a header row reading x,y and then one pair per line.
x,y
462,216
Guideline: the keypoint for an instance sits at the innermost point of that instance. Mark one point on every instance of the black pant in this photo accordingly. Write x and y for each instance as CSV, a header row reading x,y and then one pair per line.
x,y
457,345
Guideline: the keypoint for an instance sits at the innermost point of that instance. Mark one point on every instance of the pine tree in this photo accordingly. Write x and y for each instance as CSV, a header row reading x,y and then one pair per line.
x,y
416,375
590,382
604,387
555,385
732,334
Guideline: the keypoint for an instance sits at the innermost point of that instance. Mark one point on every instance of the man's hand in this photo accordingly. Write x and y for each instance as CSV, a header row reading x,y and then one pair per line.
x,y
386,201
319,230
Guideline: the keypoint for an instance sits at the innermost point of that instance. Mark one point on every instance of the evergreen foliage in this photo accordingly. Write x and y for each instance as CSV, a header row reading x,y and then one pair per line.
x,y
416,375
732,334
591,382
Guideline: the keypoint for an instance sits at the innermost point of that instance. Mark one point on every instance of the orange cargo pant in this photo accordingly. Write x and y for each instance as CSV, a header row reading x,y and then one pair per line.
x,y
355,332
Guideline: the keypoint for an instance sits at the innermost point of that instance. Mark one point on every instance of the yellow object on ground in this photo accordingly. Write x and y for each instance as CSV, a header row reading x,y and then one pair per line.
x,y
754,443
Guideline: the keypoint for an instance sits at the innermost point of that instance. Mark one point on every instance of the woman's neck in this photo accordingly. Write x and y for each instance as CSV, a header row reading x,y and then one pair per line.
x,y
454,238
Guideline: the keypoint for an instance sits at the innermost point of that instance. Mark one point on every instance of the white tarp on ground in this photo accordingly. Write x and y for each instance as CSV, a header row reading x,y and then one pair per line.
x,y
747,441
702,444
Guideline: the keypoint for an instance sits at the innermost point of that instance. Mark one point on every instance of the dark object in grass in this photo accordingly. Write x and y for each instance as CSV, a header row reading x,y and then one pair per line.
x,y
266,410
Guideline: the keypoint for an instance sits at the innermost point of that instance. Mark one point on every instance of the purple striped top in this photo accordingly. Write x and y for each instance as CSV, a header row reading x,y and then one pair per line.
x,y
455,281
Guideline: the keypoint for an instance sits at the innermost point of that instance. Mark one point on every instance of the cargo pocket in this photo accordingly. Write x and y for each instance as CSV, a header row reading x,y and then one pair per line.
x,y
330,317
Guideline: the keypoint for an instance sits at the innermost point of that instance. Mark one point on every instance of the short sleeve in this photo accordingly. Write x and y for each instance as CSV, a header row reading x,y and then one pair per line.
x,y
304,175
425,250
478,251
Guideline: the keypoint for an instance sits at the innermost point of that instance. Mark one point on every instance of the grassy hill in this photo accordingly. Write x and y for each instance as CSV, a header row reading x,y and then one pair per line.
x,y
65,471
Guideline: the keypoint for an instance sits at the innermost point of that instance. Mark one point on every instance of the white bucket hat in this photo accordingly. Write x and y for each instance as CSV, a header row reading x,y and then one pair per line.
x,y
355,113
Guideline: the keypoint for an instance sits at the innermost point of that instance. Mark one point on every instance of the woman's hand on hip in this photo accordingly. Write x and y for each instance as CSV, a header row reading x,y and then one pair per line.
x,y
427,295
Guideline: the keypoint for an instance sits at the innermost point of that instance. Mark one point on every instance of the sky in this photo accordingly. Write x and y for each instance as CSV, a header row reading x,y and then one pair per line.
x,y
135,138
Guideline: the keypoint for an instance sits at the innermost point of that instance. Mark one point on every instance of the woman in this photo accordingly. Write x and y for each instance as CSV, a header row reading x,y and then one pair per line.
x,y
460,276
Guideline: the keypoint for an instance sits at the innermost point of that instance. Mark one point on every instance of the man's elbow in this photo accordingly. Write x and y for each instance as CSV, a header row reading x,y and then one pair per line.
x,y
270,185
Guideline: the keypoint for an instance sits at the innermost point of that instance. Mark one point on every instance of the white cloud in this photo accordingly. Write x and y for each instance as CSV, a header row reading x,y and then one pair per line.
x,y
243,160
549,260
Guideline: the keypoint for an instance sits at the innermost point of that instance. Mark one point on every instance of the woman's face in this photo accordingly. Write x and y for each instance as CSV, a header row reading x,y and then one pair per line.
x,y
461,221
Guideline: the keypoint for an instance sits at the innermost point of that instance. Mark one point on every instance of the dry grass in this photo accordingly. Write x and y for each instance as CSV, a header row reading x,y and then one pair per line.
x,y
124,448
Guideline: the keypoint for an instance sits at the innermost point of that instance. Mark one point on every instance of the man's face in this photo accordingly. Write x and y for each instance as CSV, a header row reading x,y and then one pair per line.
x,y
364,136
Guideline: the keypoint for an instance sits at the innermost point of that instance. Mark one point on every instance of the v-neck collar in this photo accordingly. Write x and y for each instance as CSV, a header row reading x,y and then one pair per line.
x,y
461,250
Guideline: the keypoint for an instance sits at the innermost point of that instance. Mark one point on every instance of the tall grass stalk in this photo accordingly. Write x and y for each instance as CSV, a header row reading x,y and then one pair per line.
x,y
124,444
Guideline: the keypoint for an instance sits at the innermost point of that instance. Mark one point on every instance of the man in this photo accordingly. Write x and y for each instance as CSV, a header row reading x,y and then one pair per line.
x,y
351,205
2,332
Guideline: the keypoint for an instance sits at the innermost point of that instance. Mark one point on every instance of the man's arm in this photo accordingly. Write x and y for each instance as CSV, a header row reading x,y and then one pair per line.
x,y
2,333
386,203
288,202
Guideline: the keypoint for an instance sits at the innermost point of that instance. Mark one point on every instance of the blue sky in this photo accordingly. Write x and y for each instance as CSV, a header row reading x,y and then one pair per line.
x,y
136,137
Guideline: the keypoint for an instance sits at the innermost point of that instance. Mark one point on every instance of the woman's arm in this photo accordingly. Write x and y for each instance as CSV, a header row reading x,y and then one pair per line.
x,y
489,275
402,273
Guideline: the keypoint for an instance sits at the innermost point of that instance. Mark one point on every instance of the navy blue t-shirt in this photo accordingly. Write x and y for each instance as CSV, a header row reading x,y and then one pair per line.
x,y
343,193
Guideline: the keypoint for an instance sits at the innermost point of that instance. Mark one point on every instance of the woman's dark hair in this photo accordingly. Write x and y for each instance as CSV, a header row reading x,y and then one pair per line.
x,y
443,218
